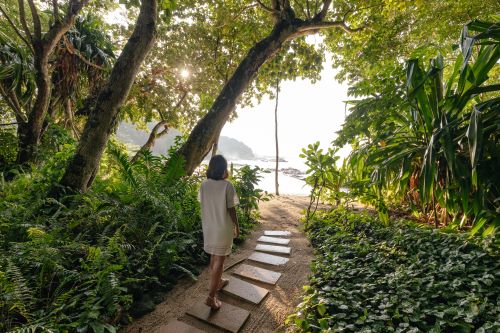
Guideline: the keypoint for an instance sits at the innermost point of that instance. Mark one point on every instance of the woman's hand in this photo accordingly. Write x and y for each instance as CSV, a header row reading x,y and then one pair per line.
x,y
236,231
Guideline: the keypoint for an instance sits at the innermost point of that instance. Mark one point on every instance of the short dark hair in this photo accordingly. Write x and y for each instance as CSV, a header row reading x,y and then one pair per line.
x,y
216,167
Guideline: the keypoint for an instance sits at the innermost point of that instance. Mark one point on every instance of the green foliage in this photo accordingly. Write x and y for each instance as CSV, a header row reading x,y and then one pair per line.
x,y
436,149
245,181
8,148
370,277
87,262
322,175
16,72
165,7
371,59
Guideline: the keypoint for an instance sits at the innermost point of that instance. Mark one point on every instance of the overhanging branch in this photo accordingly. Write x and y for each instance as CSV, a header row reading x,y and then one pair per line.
x,y
55,33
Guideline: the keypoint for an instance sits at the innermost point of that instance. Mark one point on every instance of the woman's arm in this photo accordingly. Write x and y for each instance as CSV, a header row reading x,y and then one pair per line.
x,y
234,218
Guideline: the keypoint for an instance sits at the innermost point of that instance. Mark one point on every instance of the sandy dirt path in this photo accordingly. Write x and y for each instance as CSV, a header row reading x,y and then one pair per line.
x,y
281,213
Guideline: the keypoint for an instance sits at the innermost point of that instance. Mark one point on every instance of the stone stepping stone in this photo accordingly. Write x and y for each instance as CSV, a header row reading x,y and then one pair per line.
x,y
268,259
178,327
257,274
244,290
278,233
228,317
273,249
273,240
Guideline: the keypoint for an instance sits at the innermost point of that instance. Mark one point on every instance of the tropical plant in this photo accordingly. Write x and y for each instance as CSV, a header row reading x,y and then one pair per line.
x,y
89,261
323,176
439,155
245,181
400,277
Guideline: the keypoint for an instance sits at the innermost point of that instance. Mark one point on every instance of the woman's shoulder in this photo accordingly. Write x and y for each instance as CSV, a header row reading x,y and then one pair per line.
x,y
213,182
228,184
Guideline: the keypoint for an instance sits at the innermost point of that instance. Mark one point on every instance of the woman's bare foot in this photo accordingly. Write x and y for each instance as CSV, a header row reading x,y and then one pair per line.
x,y
213,303
222,283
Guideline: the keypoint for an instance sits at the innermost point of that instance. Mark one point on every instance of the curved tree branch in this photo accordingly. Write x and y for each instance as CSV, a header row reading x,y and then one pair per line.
x,y
22,17
12,101
37,26
266,8
77,53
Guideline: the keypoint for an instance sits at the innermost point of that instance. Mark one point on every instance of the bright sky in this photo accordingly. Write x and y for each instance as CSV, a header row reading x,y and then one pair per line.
x,y
306,113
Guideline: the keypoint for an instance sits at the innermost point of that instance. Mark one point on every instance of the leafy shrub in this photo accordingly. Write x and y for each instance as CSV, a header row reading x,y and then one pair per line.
x,y
245,181
434,146
369,277
8,149
87,262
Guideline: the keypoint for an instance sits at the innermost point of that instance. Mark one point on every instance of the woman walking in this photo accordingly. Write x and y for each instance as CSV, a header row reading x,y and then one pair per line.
x,y
219,222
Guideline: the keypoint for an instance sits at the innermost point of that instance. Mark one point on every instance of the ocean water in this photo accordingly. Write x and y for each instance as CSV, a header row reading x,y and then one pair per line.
x,y
287,184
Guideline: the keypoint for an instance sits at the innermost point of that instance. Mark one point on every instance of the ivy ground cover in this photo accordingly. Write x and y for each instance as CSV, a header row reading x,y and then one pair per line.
x,y
370,277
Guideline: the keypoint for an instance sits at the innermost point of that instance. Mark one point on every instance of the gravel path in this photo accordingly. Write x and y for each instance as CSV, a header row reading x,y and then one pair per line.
x,y
280,213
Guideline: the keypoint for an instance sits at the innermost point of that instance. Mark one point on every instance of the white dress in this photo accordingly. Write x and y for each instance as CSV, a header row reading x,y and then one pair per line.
x,y
216,196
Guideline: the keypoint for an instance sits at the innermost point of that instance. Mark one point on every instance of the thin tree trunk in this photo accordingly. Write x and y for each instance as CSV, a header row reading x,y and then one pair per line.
x,y
29,132
276,137
215,146
155,134
69,122
83,167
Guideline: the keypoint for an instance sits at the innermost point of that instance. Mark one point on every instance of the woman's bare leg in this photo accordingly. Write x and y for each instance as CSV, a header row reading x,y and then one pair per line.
x,y
217,266
216,274
211,263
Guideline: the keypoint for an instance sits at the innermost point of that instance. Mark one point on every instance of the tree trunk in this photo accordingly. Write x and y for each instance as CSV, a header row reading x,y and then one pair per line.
x,y
43,47
152,139
215,146
83,167
276,137
202,137
29,132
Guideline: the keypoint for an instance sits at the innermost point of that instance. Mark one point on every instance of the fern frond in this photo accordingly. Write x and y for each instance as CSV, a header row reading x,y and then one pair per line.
x,y
22,296
32,329
126,168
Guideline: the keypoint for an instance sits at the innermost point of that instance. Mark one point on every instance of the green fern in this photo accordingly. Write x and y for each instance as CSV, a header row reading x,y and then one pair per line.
x,y
21,296
126,168
33,329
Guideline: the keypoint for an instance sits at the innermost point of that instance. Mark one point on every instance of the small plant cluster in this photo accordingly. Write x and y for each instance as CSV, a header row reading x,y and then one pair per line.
x,y
245,180
371,277
87,262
